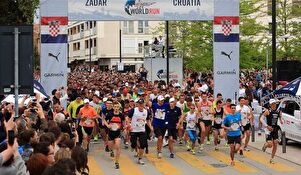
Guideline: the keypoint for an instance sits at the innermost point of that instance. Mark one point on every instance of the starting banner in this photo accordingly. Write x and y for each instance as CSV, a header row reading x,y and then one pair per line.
x,y
159,10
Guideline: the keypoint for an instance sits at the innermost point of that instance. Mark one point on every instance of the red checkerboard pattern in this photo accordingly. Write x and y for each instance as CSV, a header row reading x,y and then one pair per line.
x,y
54,30
227,28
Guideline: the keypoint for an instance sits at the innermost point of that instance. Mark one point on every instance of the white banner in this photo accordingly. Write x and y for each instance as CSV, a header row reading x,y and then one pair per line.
x,y
226,48
156,68
54,38
111,10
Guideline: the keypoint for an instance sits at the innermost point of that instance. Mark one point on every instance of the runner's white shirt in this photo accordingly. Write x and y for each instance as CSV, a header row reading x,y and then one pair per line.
x,y
244,111
138,120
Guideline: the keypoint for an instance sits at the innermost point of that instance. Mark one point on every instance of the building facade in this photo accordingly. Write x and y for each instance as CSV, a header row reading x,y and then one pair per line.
x,y
102,40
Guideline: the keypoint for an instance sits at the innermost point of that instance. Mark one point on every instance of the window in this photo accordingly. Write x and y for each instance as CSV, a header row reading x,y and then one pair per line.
x,y
91,43
140,47
82,27
289,107
76,46
94,41
131,27
140,27
86,44
91,25
94,24
125,27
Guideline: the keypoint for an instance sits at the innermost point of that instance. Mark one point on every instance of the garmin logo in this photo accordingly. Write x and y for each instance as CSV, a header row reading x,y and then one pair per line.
x,y
54,74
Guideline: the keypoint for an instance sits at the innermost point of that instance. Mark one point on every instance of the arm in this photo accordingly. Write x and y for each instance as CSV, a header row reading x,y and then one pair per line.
x,y
181,120
5,155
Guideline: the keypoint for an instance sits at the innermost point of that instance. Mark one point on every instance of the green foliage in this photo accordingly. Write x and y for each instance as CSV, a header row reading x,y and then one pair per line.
x,y
17,12
195,39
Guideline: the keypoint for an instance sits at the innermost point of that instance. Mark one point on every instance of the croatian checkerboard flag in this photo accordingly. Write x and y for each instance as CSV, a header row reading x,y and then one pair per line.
x,y
54,29
226,29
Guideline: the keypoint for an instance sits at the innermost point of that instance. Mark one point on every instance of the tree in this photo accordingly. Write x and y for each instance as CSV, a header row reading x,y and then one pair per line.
x,y
17,12
288,30
194,40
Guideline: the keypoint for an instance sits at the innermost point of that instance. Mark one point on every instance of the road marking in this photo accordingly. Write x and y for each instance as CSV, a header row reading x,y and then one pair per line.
x,y
239,166
197,163
162,165
263,159
94,167
128,167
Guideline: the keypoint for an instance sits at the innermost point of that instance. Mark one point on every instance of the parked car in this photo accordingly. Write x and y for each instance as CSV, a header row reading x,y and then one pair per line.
x,y
291,117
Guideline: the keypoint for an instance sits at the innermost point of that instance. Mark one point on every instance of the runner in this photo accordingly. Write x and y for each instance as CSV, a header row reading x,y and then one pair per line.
x,y
160,122
125,112
87,115
192,119
137,119
232,123
181,104
271,126
205,122
219,114
173,115
245,122
107,110
113,122
95,103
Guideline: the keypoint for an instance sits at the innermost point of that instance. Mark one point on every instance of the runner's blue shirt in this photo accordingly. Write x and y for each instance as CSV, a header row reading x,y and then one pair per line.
x,y
159,115
233,121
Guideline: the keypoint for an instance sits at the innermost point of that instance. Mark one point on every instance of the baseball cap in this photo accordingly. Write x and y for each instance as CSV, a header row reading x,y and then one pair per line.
x,y
271,101
172,100
160,98
86,100
167,95
140,101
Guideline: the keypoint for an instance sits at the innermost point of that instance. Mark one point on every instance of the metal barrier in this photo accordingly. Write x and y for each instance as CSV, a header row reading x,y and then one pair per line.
x,y
253,133
283,139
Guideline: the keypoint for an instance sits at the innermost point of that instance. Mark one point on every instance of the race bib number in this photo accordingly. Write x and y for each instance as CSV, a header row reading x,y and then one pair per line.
x,y
160,115
235,126
88,122
114,127
206,117
244,119
218,120
140,123
191,124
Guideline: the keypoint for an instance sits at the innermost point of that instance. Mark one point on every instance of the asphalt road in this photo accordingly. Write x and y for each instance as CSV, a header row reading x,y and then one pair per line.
x,y
207,162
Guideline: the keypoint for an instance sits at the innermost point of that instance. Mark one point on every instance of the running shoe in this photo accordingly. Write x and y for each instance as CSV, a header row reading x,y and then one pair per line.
x,y
218,141
126,145
181,142
216,148
232,163
140,162
117,165
107,149
159,155
241,152
171,155
208,142
201,147
272,161
146,150
112,154
193,152
246,149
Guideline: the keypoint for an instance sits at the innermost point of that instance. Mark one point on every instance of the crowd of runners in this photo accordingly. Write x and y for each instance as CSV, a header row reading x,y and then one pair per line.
x,y
125,110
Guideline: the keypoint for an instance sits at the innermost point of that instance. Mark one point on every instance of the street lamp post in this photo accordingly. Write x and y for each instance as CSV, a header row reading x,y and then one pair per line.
x,y
274,72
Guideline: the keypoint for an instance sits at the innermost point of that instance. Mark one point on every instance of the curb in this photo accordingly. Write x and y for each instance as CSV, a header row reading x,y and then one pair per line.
x,y
296,163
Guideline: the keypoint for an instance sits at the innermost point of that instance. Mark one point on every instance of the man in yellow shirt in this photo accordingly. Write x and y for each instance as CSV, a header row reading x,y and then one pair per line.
x,y
72,108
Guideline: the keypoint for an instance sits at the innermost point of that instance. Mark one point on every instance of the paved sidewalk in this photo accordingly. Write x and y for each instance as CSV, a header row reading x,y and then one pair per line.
x,y
293,149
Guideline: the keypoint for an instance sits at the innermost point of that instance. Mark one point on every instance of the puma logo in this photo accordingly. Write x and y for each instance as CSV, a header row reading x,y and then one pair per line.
x,y
227,55
56,57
